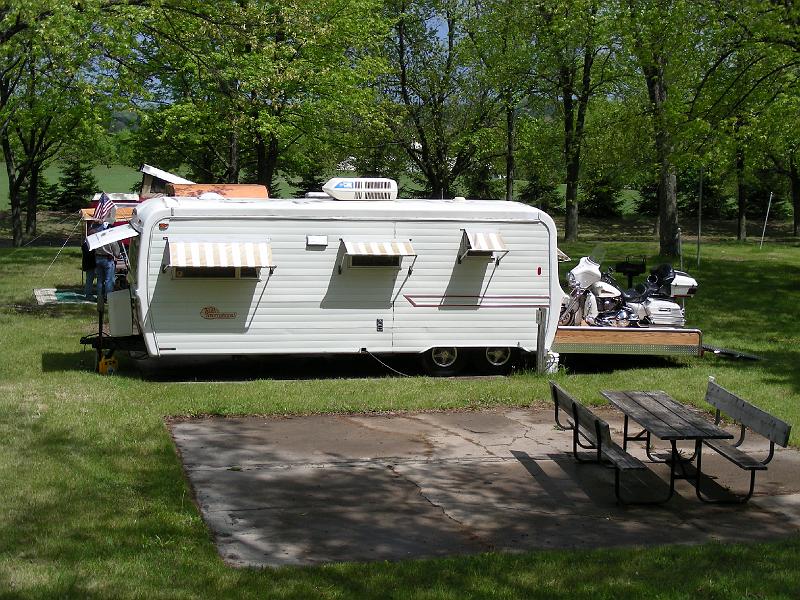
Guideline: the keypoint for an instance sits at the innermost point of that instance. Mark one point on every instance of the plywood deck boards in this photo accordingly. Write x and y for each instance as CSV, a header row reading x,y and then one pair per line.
x,y
590,340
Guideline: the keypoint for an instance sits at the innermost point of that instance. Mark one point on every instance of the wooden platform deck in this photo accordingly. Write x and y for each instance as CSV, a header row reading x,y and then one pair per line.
x,y
628,340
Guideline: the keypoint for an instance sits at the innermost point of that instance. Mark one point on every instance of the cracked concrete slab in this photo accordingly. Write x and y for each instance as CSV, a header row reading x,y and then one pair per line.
x,y
310,490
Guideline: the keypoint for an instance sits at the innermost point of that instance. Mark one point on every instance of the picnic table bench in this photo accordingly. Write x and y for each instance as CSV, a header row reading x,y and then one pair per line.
x,y
590,432
748,416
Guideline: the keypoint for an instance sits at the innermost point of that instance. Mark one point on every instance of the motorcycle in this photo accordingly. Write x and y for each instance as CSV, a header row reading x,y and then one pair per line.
x,y
597,299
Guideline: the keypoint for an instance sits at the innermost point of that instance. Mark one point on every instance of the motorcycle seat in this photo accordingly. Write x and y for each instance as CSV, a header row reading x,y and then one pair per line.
x,y
634,295
664,274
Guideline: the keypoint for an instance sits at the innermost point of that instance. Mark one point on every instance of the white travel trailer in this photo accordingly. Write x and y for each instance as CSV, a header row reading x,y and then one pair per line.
x,y
355,271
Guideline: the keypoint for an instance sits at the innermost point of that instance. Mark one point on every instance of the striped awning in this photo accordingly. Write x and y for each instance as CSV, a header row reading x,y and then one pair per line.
x,y
196,253
484,241
387,248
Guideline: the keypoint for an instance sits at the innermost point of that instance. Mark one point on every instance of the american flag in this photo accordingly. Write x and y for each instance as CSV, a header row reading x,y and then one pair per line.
x,y
104,208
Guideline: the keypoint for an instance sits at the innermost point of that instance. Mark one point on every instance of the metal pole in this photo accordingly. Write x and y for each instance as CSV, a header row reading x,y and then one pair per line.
x,y
700,214
541,354
763,231
680,251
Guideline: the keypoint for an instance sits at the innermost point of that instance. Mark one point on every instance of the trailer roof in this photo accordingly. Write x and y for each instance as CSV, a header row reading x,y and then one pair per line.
x,y
310,208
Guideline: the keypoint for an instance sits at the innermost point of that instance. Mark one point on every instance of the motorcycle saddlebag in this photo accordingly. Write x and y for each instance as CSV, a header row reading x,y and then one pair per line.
x,y
683,285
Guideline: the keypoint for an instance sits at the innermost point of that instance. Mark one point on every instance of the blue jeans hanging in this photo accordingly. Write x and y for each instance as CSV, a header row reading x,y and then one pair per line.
x,y
105,269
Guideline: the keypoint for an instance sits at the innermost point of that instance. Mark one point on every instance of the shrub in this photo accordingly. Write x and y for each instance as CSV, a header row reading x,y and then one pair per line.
x,y
77,185
601,196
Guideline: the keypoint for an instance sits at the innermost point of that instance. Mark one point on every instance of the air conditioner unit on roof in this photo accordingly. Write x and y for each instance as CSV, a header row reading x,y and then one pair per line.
x,y
361,188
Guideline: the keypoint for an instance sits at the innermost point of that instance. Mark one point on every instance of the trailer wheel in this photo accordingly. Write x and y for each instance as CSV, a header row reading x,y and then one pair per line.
x,y
442,361
498,360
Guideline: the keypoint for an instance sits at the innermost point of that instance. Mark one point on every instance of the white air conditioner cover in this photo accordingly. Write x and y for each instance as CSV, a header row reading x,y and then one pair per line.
x,y
361,188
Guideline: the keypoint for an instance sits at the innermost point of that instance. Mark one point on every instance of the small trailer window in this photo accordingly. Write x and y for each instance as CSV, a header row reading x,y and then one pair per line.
x,y
216,272
194,259
360,260
389,253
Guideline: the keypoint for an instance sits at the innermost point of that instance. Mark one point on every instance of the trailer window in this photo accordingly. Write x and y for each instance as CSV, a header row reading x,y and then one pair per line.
x,y
371,253
216,272
360,260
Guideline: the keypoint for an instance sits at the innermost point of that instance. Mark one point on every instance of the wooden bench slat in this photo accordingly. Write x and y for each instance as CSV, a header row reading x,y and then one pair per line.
x,y
621,459
745,413
736,456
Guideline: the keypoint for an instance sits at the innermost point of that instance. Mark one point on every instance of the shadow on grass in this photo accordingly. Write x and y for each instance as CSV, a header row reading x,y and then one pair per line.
x,y
609,363
54,362
236,368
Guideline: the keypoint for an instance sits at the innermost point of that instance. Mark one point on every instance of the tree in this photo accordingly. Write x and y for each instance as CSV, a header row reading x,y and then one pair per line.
x,y
48,73
235,76
77,184
577,57
436,108
660,41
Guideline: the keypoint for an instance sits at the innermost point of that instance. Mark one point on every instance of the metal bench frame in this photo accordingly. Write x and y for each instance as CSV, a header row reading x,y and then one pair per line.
x,y
590,432
748,416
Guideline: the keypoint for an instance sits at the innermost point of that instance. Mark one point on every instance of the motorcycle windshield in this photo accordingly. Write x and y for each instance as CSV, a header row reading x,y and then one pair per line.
x,y
598,254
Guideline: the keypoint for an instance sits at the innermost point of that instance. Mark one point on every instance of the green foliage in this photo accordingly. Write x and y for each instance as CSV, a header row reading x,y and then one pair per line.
x,y
717,201
758,189
601,196
538,192
77,185
482,183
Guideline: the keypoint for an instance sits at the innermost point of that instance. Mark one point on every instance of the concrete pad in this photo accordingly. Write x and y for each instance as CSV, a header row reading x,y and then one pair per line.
x,y
309,490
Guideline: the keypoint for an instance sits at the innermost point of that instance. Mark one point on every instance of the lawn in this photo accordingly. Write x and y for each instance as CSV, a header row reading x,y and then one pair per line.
x,y
94,503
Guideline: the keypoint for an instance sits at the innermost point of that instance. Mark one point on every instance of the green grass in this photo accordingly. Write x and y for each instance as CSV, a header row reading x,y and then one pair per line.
x,y
94,503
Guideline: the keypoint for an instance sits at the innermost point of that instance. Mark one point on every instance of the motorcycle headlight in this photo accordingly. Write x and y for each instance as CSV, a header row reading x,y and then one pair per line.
x,y
571,281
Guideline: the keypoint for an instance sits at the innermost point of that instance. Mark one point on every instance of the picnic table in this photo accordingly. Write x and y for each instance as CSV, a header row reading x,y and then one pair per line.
x,y
667,419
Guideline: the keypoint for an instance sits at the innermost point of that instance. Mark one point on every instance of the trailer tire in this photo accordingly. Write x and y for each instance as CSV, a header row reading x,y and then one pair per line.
x,y
498,360
443,361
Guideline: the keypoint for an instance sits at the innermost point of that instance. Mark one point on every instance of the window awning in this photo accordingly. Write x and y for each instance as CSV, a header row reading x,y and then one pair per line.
x,y
377,248
482,243
198,253
387,248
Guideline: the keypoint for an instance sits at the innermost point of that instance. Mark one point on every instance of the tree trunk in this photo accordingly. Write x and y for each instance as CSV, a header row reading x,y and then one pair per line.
x,y
14,184
741,198
266,161
794,186
437,187
667,180
510,166
571,159
667,204
33,201
232,176
571,197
